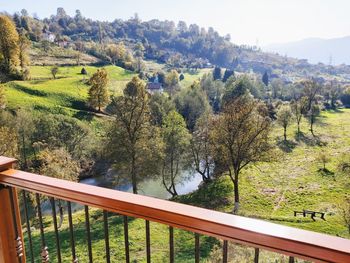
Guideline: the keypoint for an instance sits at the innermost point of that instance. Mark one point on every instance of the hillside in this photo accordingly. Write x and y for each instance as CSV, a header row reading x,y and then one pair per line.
x,y
66,94
180,45
316,50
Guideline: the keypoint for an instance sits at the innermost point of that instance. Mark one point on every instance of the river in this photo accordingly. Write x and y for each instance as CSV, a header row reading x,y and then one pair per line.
x,y
187,181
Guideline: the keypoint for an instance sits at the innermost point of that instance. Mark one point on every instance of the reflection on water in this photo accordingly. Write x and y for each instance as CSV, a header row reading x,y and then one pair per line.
x,y
187,182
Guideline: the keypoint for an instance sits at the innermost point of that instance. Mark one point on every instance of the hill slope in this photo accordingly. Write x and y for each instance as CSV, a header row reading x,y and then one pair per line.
x,y
315,50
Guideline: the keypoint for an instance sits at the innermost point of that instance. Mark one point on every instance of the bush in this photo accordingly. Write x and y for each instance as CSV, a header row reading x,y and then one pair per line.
x,y
83,71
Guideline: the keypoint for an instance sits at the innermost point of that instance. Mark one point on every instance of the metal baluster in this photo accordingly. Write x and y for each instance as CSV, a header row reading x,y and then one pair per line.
x,y
44,249
196,237
54,217
256,255
126,239
171,243
224,252
291,260
105,221
26,215
71,230
19,245
148,242
88,233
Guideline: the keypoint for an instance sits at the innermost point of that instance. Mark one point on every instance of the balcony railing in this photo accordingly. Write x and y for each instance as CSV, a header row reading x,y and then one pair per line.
x,y
258,234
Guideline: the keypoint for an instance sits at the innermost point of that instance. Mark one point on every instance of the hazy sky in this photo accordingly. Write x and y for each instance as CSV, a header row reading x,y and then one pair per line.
x,y
248,21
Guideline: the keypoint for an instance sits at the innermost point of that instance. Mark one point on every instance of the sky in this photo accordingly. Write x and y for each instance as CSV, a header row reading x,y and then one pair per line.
x,y
251,22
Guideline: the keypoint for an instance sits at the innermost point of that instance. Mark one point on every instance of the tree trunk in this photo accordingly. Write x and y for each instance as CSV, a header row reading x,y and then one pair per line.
x,y
24,152
236,191
312,126
285,134
60,210
133,174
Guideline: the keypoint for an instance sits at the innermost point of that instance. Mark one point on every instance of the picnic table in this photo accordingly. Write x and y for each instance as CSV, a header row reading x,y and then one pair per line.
x,y
309,212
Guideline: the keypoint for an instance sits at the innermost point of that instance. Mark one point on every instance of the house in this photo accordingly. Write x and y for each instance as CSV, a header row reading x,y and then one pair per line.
x,y
48,36
154,87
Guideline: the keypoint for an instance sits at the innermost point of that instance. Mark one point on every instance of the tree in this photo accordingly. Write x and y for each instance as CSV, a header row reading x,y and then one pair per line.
x,y
54,71
312,114
345,210
276,88
57,163
8,43
160,105
135,142
332,94
98,93
181,77
2,97
228,73
176,141
217,73
345,97
323,158
284,116
310,91
298,108
241,136
8,142
214,91
265,79
191,103
201,148
241,87
172,82
23,45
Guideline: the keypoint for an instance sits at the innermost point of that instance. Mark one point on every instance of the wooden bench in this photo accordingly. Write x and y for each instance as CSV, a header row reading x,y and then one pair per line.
x,y
309,212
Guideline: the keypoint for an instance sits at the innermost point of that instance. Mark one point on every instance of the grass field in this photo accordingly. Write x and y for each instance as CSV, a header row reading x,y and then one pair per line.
x,y
66,94
295,181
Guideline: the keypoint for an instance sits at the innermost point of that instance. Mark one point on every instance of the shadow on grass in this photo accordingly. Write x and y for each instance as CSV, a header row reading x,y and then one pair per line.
x,y
83,115
309,140
325,172
286,145
29,91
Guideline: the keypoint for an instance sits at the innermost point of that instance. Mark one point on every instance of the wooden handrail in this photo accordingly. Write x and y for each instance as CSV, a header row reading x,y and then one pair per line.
x,y
286,240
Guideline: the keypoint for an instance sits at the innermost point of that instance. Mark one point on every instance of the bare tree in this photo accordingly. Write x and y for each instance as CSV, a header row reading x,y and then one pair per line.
x,y
241,136
310,90
284,116
298,108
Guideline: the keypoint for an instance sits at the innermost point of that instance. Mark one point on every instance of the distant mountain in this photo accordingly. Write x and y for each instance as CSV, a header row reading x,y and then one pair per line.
x,y
335,51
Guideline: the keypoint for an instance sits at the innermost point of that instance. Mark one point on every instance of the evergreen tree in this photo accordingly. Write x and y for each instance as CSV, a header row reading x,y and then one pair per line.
x,y
98,93
217,73
228,73
265,79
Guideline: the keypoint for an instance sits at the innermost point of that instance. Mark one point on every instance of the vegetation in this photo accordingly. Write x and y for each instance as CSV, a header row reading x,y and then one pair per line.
x,y
8,44
98,93
223,123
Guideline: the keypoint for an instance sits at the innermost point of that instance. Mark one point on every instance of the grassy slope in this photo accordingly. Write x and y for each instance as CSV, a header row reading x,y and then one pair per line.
x,y
273,191
67,94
